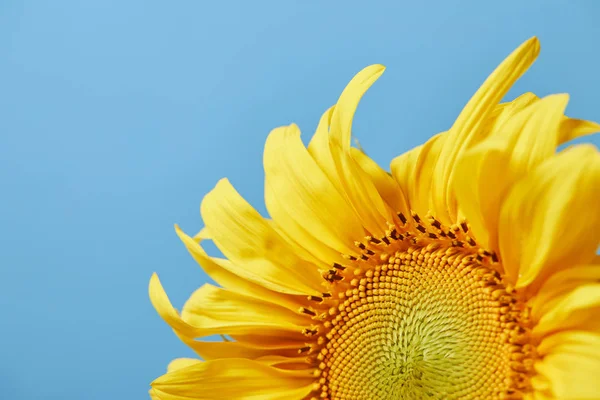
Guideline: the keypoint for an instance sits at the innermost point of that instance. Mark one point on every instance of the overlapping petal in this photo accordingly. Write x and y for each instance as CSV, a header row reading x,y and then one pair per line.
x,y
485,172
234,379
569,367
467,130
413,171
302,200
574,309
220,311
356,183
236,315
250,242
212,350
386,186
546,223
230,276
561,283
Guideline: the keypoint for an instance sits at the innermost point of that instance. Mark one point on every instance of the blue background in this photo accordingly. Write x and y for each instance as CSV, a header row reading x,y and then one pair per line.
x,y
116,117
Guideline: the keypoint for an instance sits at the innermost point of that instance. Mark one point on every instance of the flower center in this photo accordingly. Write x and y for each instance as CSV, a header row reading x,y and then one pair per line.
x,y
424,321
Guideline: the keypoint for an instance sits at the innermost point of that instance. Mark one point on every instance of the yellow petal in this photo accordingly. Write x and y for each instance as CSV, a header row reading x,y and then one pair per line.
x,y
570,128
466,131
318,148
210,350
363,194
480,186
357,185
286,363
233,379
570,366
576,309
388,188
560,284
302,200
343,114
506,111
484,173
539,135
240,280
304,243
165,309
537,395
404,172
574,128
250,242
202,326
413,171
262,340
153,394
549,220
220,311
571,342
180,363
202,235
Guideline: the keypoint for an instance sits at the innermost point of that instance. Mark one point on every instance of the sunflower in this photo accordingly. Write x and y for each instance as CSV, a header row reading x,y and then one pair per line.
x,y
468,272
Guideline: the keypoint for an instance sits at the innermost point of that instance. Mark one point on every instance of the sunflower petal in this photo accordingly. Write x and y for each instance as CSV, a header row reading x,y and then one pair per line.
x,y
220,311
539,136
194,324
549,219
234,379
569,368
318,148
388,188
561,283
357,185
263,340
576,309
574,128
479,182
250,242
153,394
413,171
286,363
211,350
403,170
164,308
303,202
484,173
180,363
230,276
203,234
509,109
467,128
343,114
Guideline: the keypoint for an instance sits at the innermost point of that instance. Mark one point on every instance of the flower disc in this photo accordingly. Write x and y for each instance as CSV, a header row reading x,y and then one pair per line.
x,y
431,324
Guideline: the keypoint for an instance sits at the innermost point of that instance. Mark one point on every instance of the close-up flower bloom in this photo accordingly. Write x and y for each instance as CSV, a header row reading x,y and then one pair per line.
x,y
467,272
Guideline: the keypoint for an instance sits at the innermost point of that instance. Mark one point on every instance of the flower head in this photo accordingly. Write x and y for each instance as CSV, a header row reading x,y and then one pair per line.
x,y
469,272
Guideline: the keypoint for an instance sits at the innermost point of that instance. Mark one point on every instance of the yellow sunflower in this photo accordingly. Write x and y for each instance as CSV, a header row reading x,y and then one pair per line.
x,y
469,272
